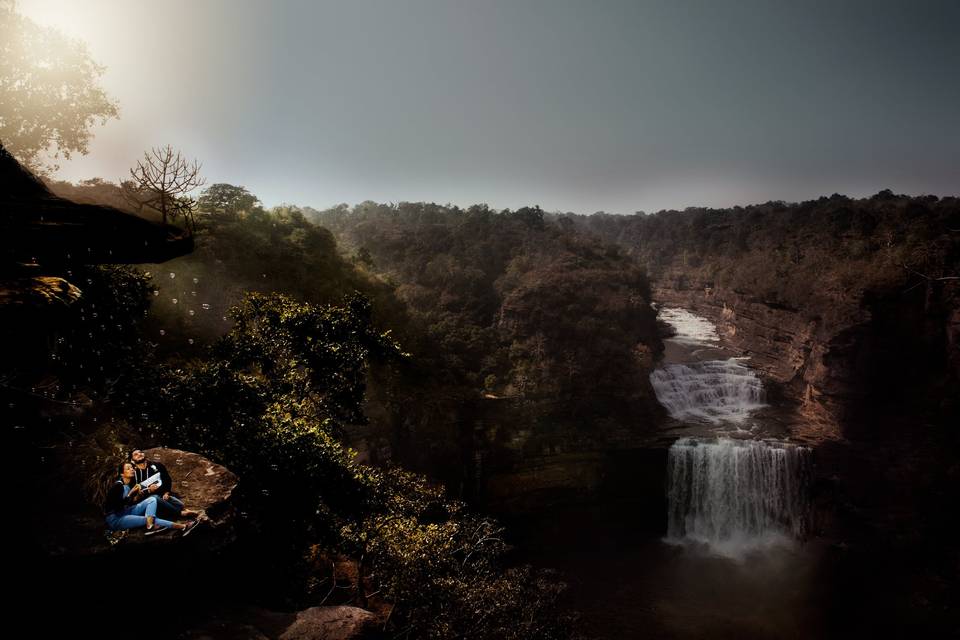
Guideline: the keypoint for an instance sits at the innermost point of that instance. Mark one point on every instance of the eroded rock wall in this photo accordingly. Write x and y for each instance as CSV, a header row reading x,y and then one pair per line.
x,y
841,361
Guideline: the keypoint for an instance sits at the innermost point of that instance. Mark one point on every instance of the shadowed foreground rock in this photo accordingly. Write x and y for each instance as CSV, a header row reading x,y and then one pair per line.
x,y
44,239
39,227
315,623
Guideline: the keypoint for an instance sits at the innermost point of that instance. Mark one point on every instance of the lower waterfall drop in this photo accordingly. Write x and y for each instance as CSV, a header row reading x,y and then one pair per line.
x,y
734,495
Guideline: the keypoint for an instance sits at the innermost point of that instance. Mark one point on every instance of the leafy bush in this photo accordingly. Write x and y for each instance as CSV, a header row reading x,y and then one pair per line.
x,y
100,337
269,401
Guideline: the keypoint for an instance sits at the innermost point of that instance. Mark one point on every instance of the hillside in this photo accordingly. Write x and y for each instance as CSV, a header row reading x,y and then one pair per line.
x,y
517,325
840,301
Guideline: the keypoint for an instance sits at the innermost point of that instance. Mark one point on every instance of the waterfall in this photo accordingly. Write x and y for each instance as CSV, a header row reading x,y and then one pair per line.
x,y
737,494
713,390
691,329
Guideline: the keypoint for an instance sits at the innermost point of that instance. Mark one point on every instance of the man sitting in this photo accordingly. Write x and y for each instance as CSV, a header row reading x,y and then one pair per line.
x,y
125,508
168,504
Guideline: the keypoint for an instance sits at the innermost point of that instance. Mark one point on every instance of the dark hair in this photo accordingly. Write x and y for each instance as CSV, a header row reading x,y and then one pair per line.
x,y
120,468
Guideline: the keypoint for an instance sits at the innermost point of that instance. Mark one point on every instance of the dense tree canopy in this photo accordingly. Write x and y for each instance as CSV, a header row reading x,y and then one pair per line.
x,y
50,97
512,304
227,200
269,401
491,304
796,254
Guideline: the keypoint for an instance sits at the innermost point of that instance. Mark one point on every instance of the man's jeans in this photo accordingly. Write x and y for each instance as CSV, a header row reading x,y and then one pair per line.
x,y
169,508
135,516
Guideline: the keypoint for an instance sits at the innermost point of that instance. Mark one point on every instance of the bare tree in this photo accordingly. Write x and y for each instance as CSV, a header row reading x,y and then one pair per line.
x,y
163,181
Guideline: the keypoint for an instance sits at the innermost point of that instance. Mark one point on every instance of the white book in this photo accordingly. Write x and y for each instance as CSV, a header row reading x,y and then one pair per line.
x,y
152,480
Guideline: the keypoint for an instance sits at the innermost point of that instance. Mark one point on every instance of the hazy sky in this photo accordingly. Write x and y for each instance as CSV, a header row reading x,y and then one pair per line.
x,y
575,106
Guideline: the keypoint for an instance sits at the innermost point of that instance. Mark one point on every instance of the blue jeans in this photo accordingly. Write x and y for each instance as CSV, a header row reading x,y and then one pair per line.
x,y
135,516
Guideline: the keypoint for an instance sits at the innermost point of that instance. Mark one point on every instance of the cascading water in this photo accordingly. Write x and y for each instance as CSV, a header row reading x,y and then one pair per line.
x,y
735,495
714,390
690,328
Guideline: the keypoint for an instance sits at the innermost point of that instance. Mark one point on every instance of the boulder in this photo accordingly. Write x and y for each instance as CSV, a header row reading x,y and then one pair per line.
x,y
203,485
40,292
314,623
330,623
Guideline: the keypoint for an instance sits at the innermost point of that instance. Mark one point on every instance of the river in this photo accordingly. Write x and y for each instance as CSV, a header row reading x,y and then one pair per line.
x,y
734,559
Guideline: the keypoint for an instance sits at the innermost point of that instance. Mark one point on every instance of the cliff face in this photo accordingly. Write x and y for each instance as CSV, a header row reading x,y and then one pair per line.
x,y
848,308
781,343
843,364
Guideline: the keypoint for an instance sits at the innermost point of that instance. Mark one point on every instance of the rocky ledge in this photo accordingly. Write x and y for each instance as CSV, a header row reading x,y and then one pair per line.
x,y
203,485
787,347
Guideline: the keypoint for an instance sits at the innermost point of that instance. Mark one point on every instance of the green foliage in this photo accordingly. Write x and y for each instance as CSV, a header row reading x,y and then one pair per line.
x,y
508,295
49,92
94,191
448,572
805,255
100,336
99,454
269,401
476,295
287,374
227,200
262,251
308,350
505,304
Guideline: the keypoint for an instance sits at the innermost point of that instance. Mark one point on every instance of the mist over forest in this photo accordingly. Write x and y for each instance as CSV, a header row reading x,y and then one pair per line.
x,y
231,418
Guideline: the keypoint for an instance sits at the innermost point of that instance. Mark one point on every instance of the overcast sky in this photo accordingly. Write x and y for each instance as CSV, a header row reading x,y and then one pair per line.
x,y
575,106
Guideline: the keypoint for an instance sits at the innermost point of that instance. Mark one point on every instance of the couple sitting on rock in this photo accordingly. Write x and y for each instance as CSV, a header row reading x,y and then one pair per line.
x,y
143,490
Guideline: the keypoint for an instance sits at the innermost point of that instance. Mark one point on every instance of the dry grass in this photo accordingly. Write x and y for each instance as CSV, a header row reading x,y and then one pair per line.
x,y
97,456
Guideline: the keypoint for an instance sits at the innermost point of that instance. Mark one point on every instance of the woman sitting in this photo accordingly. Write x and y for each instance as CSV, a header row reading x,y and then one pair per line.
x,y
123,511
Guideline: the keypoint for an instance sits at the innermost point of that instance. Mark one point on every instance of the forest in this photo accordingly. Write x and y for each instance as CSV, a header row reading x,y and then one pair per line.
x,y
465,408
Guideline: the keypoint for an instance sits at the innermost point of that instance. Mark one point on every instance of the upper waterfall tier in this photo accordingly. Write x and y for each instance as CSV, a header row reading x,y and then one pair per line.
x,y
693,384
714,391
691,329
